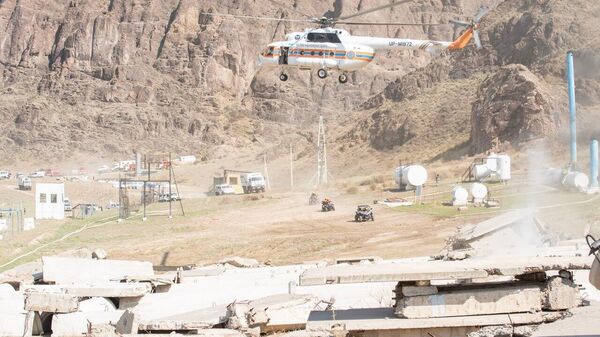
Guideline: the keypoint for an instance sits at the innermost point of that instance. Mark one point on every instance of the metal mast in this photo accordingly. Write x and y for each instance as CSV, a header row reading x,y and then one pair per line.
x,y
322,172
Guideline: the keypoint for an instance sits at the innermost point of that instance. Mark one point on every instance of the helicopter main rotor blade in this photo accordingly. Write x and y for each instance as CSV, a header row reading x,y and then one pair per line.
x,y
375,9
460,23
482,11
291,9
255,17
476,39
351,23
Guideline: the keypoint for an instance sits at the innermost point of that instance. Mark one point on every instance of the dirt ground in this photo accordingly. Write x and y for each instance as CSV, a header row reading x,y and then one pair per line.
x,y
279,225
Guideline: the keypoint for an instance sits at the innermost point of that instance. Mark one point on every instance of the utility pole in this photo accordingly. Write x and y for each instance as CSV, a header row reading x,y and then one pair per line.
x,y
266,171
291,167
322,172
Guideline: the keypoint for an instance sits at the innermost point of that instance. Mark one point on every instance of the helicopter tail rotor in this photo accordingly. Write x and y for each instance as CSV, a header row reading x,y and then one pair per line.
x,y
472,29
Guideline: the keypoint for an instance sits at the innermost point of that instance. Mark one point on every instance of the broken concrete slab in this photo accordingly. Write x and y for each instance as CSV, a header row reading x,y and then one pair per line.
x,y
357,260
561,294
102,289
419,291
168,325
378,319
440,270
272,313
472,232
50,302
61,270
21,274
240,262
99,254
201,333
76,323
500,300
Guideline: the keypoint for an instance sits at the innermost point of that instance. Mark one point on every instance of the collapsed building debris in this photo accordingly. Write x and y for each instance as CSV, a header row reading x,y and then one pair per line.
x,y
445,298
511,233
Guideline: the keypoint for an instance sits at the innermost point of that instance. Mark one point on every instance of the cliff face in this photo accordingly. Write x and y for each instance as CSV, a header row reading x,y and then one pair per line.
x,y
110,76
105,77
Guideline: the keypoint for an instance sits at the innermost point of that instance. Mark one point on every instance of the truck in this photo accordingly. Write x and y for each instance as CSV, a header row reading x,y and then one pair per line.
x,y
4,174
253,182
24,183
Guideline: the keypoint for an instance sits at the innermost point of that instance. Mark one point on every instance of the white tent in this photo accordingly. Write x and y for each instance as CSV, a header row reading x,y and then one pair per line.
x,y
49,201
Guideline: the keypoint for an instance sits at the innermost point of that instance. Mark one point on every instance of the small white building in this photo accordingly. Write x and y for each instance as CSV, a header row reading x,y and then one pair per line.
x,y
49,201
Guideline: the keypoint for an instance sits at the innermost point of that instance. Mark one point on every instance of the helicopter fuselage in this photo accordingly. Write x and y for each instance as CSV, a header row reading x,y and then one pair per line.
x,y
329,48
336,49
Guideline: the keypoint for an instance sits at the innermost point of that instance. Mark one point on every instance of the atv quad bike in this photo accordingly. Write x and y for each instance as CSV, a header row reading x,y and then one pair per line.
x,y
364,213
327,205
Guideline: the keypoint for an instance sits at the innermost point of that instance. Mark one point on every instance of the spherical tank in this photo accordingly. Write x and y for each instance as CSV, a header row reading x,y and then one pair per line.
x,y
460,194
479,191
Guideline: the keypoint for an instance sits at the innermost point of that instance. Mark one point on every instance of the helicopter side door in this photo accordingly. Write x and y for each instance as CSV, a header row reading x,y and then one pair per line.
x,y
283,58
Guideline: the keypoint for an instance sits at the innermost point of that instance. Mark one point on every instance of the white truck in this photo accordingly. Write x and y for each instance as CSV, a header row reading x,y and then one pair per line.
x,y
253,182
24,183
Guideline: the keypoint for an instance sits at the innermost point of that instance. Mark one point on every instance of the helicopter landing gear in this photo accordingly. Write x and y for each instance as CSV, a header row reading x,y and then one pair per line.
x,y
283,77
343,78
322,73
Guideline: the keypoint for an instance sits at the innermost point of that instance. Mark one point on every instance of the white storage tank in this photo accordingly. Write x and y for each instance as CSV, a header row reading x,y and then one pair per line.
x,y
460,196
480,171
410,176
479,192
504,169
492,162
577,180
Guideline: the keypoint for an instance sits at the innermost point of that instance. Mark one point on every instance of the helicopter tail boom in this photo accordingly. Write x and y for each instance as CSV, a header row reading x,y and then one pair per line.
x,y
462,41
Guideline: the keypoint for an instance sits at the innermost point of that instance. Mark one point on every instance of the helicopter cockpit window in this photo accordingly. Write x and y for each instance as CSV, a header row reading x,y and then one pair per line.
x,y
323,37
269,51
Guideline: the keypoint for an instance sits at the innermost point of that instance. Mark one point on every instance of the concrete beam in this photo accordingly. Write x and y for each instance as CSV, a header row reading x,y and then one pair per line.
x,y
379,319
63,270
48,302
104,289
440,270
506,299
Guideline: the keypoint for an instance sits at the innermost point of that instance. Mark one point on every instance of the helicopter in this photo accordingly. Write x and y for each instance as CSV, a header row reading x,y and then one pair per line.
x,y
329,48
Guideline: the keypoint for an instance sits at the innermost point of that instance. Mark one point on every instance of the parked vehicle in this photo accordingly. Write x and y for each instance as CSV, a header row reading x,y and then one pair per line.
x,y
164,198
253,182
314,199
38,174
364,213
224,189
68,207
175,197
103,169
24,183
4,174
327,205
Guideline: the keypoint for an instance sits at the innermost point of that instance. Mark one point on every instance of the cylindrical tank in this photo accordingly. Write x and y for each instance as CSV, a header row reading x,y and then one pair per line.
x,y
492,162
594,164
504,167
413,175
480,171
576,180
479,191
459,195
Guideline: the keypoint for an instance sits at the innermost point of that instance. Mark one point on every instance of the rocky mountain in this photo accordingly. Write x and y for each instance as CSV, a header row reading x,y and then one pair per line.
x,y
101,78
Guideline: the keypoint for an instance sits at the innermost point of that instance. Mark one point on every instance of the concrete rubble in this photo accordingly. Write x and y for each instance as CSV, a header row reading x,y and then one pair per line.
x,y
106,298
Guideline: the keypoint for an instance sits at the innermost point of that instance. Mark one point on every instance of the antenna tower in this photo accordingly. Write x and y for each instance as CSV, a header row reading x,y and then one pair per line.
x,y
322,172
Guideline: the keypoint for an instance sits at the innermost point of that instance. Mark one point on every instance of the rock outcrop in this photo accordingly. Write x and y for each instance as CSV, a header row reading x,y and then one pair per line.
x,y
513,105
